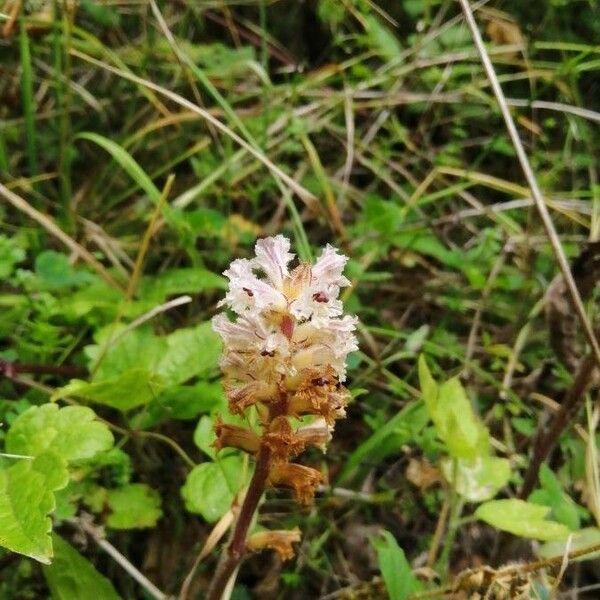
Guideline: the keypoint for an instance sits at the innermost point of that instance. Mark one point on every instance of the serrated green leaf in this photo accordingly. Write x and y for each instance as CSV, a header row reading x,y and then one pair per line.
x,y
70,576
478,479
397,574
210,487
133,506
71,432
521,518
127,391
26,499
175,358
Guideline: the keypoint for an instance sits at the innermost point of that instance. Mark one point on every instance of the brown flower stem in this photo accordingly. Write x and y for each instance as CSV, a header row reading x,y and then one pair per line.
x,y
234,553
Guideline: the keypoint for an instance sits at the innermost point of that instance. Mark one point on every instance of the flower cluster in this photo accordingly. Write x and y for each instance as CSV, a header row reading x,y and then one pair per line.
x,y
285,354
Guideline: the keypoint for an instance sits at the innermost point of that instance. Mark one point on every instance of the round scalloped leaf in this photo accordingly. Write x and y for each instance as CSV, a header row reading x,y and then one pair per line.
x,y
72,432
133,506
210,487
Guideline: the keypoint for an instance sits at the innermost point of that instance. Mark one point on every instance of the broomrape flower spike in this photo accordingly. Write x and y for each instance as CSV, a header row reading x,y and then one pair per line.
x,y
284,355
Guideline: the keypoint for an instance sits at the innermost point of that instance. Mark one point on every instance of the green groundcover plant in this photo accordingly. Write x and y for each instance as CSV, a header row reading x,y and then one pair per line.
x,y
227,227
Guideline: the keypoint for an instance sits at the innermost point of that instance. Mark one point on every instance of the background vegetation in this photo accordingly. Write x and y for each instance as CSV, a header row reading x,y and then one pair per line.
x,y
144,145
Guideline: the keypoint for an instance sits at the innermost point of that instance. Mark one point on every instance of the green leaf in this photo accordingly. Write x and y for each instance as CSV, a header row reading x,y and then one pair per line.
x,y
106,16
128,390
388,439
521,518
136,349
191,352
414,8
10,255
427,243
564,510
26,499
55,272
70,576
126,162
453,416
478,479
397,574
382,38
179,281
210,487
183,402
429,388
584,538
71,432
204,436
98,296
133,506
175,358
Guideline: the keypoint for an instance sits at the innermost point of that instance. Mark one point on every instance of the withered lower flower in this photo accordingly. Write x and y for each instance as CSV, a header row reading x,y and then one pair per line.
x,y
303,480
234,436
280,540
284,356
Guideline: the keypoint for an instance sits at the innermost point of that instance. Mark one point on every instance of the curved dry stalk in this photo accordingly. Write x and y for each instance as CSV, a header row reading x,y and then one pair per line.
x,y
301,192
532,182
51,227
95,534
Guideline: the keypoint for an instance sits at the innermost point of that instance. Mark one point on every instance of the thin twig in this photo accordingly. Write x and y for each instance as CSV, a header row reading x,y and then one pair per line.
x,y
510,571
121,560
216,534
438,534
532,181
10,369
153,312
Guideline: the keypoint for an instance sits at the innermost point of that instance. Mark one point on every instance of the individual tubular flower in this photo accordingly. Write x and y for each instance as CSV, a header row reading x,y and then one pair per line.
x,y
279,540
285,350
302,480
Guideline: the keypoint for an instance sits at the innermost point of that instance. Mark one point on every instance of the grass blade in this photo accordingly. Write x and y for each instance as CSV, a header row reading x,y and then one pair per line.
x,y
126,162
28,101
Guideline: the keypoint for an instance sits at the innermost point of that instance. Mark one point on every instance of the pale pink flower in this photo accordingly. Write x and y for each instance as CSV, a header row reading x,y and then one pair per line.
x,y
272,256
288,321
